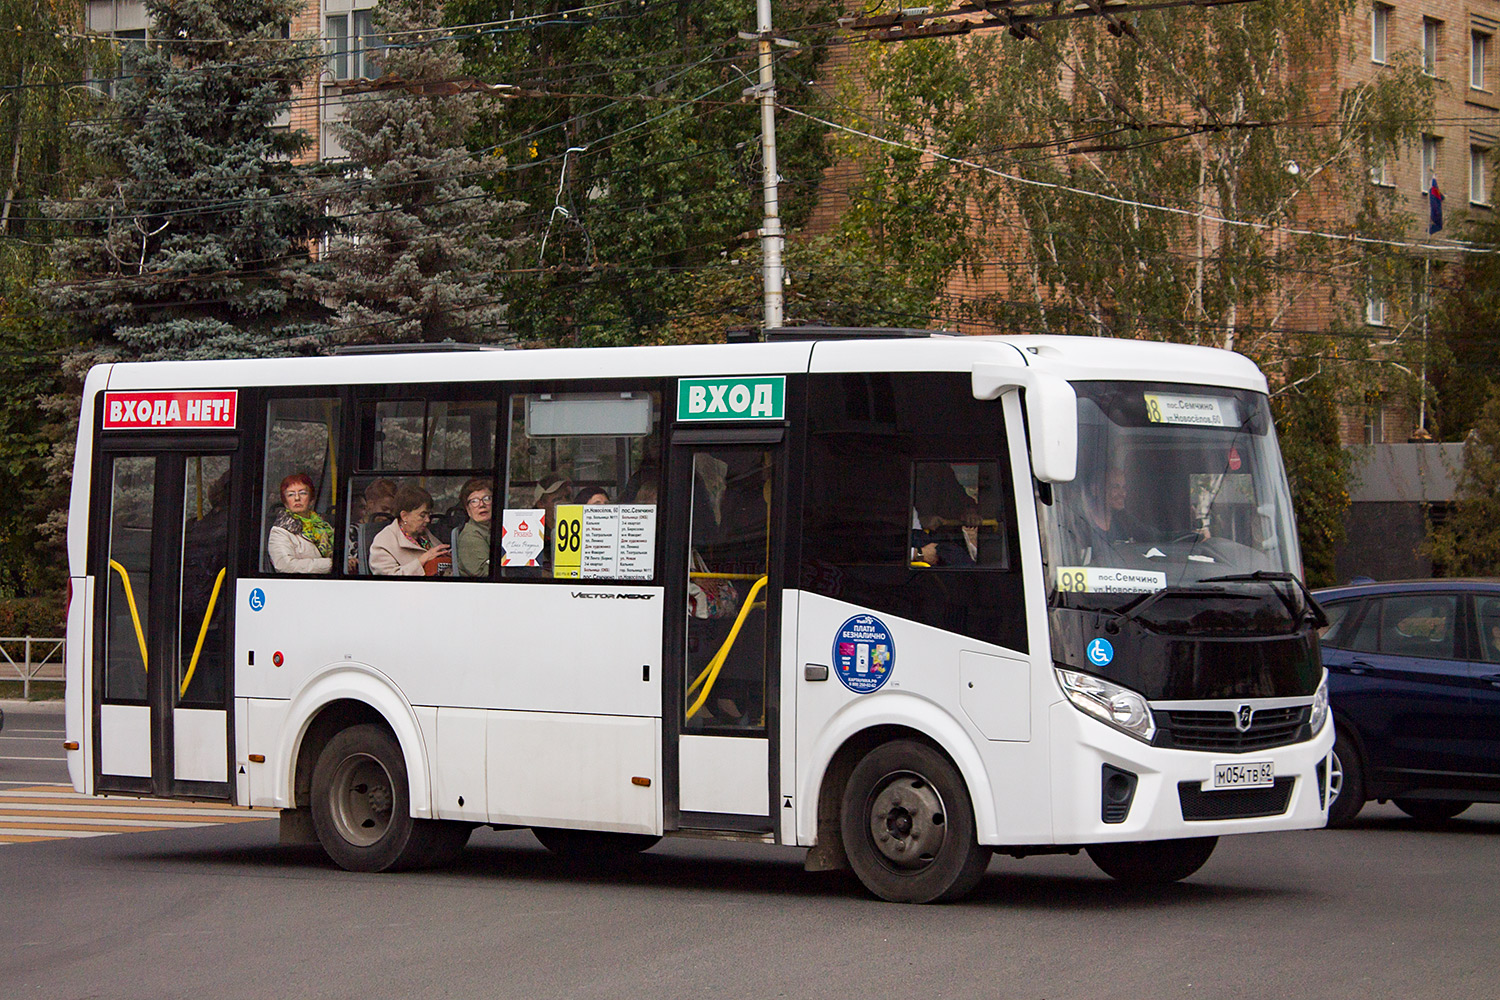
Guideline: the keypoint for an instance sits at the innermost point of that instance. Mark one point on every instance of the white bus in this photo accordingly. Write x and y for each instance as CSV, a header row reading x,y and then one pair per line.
x,y
900,600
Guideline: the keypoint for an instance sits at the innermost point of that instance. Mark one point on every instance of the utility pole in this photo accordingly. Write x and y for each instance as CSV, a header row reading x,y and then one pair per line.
x,y
770,230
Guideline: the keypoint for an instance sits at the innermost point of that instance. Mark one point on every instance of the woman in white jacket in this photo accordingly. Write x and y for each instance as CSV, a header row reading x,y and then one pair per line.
x,y
300,540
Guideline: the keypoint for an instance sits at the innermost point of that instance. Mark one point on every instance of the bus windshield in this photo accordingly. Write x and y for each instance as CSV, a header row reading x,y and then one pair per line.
x,y
1176,485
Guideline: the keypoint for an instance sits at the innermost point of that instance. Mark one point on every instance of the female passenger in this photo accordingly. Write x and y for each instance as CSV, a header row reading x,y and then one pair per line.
x,y
405,547
473,556
300,540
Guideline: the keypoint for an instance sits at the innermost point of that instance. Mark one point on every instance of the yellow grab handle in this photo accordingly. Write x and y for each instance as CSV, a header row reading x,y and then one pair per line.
x,y
710,673
140,636
213,599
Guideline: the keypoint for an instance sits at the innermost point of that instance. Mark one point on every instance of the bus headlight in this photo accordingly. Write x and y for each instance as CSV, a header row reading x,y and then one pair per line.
x,y
1110,703
1320,706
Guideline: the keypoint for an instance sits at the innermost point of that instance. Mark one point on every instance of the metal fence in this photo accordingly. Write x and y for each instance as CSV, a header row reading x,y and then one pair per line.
x,y
33,658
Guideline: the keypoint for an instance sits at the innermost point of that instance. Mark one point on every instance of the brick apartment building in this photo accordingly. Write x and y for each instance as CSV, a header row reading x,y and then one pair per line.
x,y
346,28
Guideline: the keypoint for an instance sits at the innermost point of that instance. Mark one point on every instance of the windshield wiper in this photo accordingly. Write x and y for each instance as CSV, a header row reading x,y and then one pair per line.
x,y
1320,619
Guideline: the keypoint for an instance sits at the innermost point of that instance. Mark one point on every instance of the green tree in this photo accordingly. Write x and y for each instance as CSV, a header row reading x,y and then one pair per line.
x,y
1196,180
1467,543
1465,332
1317,470
190,241
637,152
419,243
42,66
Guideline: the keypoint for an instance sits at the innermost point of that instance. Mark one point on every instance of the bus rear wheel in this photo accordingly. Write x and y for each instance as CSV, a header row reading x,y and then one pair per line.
x,y
908,826
1152,862
361,807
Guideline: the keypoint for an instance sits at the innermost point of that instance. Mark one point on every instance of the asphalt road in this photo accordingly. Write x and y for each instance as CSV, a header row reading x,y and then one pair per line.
x,y
1389,909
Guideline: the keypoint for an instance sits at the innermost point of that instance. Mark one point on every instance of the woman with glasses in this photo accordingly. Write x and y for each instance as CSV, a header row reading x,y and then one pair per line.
x,y
405,547
300,540
473,554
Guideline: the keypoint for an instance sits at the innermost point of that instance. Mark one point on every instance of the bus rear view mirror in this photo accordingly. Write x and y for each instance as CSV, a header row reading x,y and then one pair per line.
x,y
1051,416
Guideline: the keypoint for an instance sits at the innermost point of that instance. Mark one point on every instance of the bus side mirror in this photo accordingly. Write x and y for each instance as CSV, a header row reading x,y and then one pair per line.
x,y
1051,415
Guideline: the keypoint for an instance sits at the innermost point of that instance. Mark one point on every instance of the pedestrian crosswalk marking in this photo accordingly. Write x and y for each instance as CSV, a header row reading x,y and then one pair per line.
x,y
56,812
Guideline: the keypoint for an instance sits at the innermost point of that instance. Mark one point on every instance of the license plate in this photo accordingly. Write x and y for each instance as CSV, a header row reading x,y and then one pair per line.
x,y
1242,774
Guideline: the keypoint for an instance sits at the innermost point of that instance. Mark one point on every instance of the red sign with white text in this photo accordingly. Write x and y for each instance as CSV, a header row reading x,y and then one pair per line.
x,y
202,409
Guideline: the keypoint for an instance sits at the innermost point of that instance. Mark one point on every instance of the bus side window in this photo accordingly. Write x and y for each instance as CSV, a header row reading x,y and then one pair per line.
x,y
444,446
575,450
302,438
957,519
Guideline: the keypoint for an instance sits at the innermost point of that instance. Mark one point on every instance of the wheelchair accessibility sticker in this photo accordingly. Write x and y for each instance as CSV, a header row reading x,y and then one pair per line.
x,y
864,655
257,599
1100,652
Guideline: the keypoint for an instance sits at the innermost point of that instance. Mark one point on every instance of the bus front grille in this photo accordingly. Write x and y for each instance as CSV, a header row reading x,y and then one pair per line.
x,y
1236,803
1216,731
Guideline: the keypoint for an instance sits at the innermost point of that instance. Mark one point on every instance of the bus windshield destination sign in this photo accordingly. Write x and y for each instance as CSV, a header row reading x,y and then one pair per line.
x,y
755,398
214,409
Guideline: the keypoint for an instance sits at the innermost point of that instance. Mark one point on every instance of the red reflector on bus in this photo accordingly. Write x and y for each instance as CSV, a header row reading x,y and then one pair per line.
x,y
71,745
643,782
257,758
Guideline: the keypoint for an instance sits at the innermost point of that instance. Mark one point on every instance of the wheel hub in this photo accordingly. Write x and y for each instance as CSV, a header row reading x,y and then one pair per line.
x,y
907,821
363,799
1335,777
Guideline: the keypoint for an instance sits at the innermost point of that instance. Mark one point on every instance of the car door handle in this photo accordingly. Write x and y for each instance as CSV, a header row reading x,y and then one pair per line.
x,y
1493,680
1359,667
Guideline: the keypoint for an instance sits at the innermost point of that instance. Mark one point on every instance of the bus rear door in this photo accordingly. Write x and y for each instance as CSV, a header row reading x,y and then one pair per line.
x,y
163,562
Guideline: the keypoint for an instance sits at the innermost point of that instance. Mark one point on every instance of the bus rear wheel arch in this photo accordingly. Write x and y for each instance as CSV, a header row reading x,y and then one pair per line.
x,y
361,807
907,825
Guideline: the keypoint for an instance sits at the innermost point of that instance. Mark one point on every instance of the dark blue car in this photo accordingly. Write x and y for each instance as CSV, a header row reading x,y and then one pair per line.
x,y
1414,685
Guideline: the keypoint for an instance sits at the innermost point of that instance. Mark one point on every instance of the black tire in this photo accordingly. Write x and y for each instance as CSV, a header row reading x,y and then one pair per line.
x,y
593,845
1431,810
908,826
1346,782
1152,862
361,809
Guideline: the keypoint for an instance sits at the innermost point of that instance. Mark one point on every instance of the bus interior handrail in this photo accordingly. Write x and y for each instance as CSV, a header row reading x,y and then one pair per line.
x,y
710,674
208,615
135,617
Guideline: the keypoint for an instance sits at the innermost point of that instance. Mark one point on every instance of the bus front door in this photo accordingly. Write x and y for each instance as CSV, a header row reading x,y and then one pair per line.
x,y
165,593
726,597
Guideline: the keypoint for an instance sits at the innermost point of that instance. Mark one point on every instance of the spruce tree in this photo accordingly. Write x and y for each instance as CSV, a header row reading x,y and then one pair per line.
x,y
418,244
191,244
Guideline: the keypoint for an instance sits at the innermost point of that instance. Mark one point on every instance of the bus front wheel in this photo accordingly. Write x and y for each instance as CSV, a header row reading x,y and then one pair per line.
x,y
1152,862
908,826
361,809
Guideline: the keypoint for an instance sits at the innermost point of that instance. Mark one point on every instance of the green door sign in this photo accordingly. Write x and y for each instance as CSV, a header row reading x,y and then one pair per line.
x,y
757,397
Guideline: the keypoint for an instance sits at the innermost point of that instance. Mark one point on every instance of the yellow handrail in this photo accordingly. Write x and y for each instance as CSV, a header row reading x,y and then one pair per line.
x,y
140,636
710,673
213,599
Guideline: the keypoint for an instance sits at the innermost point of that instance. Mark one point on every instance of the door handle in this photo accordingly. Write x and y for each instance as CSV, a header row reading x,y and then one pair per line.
x,y
814,672
1493,680
1360,667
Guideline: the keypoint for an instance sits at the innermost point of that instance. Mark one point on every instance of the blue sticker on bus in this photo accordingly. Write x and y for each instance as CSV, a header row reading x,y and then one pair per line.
x,y
1101,653
257,599
864,655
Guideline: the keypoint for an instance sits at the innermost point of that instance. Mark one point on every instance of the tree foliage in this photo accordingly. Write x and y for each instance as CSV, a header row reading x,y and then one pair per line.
x,y
1467,543
1465,333
1196,180
190,240
416,250
637,153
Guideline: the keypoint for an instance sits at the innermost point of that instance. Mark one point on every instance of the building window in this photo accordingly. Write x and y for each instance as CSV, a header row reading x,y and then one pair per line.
x,y
1374,425
1375,305
353,45
1430,42
1479,54
1380,172
1380,19
1431,157
1479,188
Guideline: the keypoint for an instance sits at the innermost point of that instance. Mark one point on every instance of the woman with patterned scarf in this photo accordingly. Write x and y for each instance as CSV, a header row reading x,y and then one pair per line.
x,y
301,541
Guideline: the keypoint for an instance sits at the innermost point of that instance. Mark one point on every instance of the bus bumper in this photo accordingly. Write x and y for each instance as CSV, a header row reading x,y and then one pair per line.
x,y
1168,799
